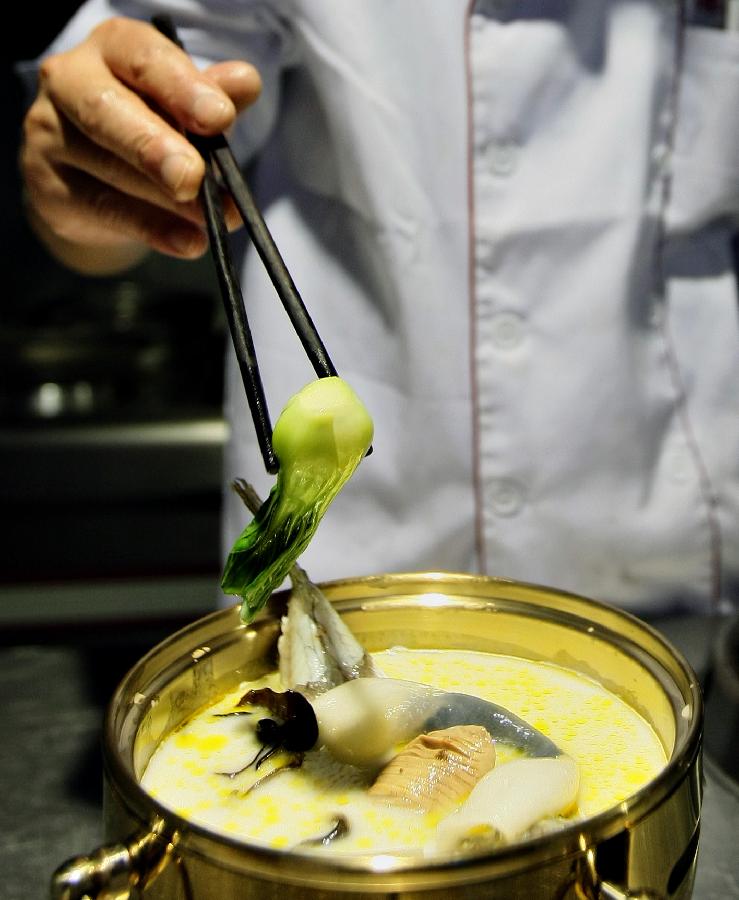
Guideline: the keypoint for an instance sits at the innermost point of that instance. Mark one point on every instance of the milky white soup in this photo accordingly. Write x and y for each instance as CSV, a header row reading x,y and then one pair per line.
x,y
191,771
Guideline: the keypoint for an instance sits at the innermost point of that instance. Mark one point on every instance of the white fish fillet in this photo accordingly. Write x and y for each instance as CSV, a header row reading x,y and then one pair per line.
x,y
316,649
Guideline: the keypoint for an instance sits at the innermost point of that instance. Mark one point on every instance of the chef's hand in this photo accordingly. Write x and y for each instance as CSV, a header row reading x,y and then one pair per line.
x,y
108,174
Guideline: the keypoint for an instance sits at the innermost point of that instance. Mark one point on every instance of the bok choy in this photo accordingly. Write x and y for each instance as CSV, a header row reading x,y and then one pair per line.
x,y
319,440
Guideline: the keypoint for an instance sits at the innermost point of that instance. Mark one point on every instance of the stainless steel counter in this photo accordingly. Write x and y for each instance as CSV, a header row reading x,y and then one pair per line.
x,y
54,685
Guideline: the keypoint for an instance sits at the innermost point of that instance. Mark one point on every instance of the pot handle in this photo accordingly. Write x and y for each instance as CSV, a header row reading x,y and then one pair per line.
x,y
114,871
590,886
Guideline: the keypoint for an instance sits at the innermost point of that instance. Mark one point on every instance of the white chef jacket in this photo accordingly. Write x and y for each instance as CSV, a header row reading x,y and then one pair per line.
x,y
511,223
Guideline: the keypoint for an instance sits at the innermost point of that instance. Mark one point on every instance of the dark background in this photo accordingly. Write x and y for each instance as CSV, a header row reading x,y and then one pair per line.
x,y
110,400
109,512
31,32
38,292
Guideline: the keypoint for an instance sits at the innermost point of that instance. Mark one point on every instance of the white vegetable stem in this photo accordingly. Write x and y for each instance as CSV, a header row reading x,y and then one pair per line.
x,y
509,800
364,721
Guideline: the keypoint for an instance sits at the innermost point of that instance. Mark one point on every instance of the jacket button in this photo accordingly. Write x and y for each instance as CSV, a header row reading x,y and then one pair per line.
x,y
502,157
506,330
506,497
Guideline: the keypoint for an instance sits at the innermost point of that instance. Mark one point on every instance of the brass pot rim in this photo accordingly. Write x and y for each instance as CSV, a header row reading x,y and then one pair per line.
x,y
574,839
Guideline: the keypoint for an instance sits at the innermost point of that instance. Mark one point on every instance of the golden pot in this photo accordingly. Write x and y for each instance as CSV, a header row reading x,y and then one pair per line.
x,y
644,847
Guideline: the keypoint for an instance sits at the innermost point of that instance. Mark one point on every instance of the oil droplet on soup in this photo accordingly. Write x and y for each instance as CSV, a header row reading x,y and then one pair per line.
x,y
616,749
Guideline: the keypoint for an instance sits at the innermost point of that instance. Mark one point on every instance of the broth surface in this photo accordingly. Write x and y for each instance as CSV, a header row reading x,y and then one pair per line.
x,y
616,749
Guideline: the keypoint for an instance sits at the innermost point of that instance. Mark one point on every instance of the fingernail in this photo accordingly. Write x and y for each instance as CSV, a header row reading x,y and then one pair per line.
x,y
211,109
174,169
186,241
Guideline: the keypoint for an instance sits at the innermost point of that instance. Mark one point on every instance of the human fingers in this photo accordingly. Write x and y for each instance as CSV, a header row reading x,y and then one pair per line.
x,y
84,211
59,142
155,68
78,192
58,151
130,90
239,80
112,172
80,153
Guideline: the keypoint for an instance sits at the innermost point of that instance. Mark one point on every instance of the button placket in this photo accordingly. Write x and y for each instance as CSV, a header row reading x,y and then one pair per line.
x,y
501,328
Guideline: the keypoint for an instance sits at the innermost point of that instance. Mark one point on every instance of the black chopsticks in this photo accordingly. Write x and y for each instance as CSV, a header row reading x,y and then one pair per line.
x,y
217,155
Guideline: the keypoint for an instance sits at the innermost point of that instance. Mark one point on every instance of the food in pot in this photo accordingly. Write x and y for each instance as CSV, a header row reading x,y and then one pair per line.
x,y
230,772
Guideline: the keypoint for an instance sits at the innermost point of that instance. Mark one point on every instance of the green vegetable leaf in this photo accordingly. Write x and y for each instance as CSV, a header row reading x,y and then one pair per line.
x,y
320,438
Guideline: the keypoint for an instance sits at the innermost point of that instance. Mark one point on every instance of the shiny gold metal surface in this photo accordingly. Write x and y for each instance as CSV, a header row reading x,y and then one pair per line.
x,y
644,847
